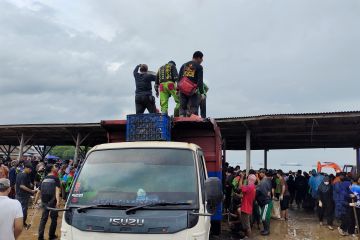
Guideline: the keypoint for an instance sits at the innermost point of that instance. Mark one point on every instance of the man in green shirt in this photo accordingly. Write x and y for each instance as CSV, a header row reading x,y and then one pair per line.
x,y
202,101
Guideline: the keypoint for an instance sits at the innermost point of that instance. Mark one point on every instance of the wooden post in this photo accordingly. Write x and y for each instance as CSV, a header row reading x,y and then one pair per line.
x,y
77,148
21,148
265,158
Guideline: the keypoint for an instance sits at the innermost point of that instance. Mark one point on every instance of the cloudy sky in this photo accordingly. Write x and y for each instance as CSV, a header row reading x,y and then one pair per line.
x,y
72,61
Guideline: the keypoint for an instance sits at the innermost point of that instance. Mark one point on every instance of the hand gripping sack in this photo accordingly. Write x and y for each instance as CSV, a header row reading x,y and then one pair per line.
x,y
186,86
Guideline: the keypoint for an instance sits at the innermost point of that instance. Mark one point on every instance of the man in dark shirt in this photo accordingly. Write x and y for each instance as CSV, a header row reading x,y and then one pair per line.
x,y
12,178
143,94
24,189
189,104
300,187
263,197
50,197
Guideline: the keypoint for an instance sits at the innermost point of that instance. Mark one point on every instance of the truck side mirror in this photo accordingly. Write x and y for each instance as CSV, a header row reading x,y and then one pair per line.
x,y
213,193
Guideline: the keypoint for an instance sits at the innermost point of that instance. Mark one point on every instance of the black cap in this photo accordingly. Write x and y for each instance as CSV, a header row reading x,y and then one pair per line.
x,y
172,62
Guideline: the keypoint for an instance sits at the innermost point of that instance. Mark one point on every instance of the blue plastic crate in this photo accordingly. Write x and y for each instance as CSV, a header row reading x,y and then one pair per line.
x,y
148,127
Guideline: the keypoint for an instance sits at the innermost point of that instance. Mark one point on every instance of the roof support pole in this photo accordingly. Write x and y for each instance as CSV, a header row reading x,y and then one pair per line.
x,y
7,150
78,141
248,150
224,152
265,158
43,151
23,142
77,148
21,148
83,151
357,160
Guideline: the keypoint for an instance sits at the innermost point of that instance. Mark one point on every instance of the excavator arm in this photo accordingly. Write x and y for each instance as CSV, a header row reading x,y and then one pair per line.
x,y
332,165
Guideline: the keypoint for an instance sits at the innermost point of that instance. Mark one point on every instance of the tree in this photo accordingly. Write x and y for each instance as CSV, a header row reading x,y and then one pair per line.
x,y
63,152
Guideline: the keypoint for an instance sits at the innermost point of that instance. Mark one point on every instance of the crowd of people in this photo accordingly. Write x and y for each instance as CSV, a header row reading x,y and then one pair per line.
x,y
31,183
259,196
251,199
186,87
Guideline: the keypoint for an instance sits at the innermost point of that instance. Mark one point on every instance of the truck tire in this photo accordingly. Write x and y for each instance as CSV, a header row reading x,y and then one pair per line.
x,y
215,227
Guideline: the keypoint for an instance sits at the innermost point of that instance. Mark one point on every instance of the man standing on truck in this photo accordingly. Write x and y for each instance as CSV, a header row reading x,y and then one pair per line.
x,y
166,79
143,94
191,80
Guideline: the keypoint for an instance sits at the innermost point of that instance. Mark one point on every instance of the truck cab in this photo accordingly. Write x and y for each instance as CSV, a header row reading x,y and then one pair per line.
x,y
147,190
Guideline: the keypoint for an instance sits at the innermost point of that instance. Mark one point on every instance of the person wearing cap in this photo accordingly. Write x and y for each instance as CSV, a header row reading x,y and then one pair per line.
x,y
11,215
23,188
166,80
249,193
49,191
143,93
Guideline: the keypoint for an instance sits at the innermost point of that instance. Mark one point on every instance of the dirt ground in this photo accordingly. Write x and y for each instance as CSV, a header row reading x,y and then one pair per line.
x,y
32,233
301,226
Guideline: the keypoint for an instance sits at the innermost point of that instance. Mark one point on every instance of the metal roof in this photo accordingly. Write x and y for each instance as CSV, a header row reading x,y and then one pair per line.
x,y
293,131
52,134
295,115
274,131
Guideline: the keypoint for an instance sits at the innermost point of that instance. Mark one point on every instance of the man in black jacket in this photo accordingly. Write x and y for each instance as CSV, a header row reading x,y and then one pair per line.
x,y
193,71
143,94
301,185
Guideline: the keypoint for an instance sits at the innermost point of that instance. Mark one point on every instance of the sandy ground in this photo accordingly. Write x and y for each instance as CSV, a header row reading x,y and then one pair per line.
x,y
301,226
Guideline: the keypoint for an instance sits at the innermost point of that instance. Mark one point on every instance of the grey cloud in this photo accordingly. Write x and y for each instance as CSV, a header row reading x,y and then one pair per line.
x,y
260,56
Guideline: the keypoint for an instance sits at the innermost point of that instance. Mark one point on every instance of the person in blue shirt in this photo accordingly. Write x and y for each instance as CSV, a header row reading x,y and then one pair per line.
x,y
314,182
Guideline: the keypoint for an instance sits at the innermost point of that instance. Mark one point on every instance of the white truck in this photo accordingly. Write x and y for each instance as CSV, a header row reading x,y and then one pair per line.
x,y
142,190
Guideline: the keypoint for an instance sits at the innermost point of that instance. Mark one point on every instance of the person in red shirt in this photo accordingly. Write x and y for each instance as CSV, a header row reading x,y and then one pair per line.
x,y
248,192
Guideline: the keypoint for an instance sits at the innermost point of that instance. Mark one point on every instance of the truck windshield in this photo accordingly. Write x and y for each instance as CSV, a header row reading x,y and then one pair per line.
x,y
133,177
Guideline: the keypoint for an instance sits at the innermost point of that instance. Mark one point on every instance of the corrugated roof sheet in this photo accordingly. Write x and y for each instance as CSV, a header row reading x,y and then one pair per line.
x,y
345,113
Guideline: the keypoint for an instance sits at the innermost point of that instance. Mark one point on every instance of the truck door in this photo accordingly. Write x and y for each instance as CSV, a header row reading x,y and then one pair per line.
x,y
203,176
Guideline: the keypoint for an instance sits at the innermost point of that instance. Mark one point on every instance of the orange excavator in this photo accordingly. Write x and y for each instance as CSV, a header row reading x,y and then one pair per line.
x,y
328,165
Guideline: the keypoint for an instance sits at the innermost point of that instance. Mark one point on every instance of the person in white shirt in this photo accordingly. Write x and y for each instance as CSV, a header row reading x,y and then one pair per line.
x,y
11,220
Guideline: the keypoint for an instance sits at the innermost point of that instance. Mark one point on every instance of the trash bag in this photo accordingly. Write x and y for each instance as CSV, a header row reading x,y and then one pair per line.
x,y
275,213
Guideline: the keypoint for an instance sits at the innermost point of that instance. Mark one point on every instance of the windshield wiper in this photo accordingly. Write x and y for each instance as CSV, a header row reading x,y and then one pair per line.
x,y
101,206
133,209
